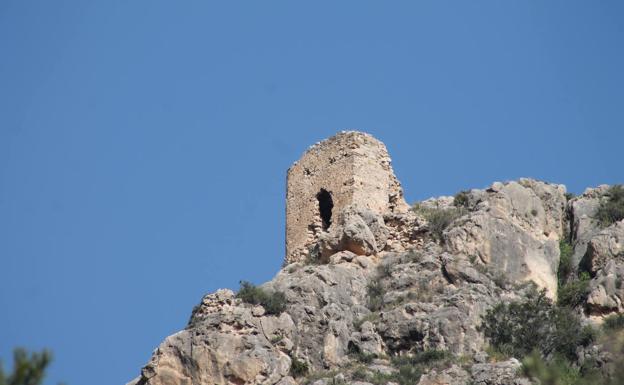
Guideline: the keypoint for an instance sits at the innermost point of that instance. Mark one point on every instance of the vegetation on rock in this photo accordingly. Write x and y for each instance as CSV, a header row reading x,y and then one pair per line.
x,y
535,323
611,210
272,302
565,261
439,218
614,322
375,292
574,293
298,368
462,199
408,368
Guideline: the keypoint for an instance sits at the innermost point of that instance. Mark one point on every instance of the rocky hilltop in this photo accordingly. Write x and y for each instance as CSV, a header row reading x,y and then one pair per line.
x,y
376,291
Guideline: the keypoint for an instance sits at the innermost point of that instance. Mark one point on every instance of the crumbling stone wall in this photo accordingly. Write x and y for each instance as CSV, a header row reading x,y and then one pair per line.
x,y
349,169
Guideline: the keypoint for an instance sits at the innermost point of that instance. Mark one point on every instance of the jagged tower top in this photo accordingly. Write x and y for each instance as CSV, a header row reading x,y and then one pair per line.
x,y
349,169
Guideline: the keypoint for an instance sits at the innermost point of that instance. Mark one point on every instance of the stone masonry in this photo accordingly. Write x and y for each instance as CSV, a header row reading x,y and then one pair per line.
x,y
350,169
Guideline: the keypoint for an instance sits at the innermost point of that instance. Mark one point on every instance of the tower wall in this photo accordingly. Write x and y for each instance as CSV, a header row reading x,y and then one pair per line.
x,y
355,169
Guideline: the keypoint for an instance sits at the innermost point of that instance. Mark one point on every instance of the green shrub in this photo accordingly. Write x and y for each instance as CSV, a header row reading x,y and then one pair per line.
x,y
359,374
565,261
614,322
439,218
519,327
569,196
411,367
462,199
611,210
574,293
568,333
515,328
277,339
365,358
298,368
407,375
273,302
556,372
376,293
408,368
384,270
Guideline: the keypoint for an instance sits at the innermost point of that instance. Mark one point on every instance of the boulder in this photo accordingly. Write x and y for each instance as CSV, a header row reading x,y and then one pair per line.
x,y
358,230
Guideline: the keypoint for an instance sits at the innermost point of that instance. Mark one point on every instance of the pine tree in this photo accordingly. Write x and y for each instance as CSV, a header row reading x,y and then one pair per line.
x,y
28,369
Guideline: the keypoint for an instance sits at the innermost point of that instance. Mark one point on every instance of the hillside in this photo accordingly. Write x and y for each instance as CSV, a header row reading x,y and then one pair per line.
x,y
451,290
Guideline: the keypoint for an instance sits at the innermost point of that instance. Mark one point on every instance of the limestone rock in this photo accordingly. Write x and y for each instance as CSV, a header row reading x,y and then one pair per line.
x,y
360,231
498,373
604,259
600,251
367,340
584,225
224,344
363,277
514,230
324,302
605,246
454,375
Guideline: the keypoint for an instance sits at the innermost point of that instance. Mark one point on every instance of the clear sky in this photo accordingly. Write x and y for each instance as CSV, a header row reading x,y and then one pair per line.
x,y
144,144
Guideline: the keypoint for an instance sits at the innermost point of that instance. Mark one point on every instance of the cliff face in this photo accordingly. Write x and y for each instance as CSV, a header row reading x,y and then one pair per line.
x,y
385,281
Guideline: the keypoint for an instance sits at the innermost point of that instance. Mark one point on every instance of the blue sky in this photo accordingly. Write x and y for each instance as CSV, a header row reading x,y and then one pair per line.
x,y
144,144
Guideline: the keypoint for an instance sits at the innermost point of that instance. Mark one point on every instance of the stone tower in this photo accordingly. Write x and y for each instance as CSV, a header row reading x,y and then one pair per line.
x,y
351,169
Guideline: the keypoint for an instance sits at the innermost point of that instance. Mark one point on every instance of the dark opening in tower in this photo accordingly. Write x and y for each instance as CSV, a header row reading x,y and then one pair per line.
x,y
326,204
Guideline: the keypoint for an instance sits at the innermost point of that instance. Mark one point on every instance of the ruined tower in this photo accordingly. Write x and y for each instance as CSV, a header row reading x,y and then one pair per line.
x,y
350,169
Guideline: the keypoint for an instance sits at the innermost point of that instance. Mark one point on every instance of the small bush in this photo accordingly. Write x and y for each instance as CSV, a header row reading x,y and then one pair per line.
x,y
407,375
298,368
568,333
573,293
376,293
516,328
462,199
555,372
614,322
273,302
569,196
501,280
384,270
439,218
360,374
519,327
365,358
565,261
411,367
611,210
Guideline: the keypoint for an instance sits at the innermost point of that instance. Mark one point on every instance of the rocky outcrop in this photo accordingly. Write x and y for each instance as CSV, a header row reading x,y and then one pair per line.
x,y
598,251
367,281
584,224
225,343
514,230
